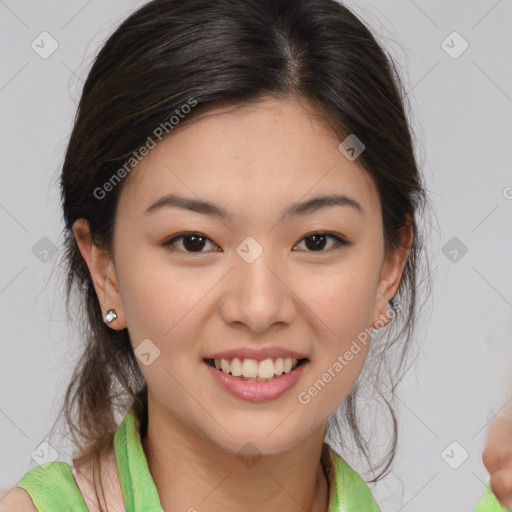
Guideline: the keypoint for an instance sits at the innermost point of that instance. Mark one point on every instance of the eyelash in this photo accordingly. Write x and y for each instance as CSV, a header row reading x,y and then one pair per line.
x,y
340,241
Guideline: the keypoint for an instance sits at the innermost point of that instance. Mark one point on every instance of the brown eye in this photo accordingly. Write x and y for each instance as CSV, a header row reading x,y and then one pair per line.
x,y
316,242
190,242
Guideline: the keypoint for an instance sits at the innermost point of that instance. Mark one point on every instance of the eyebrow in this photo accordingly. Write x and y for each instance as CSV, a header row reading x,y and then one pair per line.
x,y
211,209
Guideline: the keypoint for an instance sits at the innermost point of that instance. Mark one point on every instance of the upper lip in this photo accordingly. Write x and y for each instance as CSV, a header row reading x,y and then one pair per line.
x,y
257,354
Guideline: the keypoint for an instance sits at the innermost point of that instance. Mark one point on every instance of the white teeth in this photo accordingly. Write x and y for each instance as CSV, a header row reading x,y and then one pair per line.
x,y
236,367
225,366
251,369
266,369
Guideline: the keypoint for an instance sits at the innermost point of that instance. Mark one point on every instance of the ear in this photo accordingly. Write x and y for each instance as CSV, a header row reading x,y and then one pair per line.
x,y
102,269
391,275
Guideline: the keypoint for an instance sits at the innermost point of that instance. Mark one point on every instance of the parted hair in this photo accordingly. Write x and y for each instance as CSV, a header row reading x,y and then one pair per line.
x,y
224,52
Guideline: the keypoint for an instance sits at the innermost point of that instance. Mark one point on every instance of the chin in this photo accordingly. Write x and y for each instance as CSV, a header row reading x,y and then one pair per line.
x,y
254,443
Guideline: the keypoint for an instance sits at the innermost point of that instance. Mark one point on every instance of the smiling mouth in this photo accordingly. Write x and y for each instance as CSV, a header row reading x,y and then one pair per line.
x,y
256,371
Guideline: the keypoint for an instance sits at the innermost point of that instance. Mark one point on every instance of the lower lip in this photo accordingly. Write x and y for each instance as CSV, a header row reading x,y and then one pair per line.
x,y
254,391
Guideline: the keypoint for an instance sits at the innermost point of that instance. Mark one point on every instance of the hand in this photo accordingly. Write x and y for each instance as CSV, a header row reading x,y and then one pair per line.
x,y
497,458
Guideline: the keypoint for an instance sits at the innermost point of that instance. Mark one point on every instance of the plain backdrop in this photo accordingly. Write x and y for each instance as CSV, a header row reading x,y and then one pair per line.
x,y
455,59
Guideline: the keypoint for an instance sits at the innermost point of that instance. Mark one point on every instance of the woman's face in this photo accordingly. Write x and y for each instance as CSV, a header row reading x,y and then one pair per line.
x,y
256,278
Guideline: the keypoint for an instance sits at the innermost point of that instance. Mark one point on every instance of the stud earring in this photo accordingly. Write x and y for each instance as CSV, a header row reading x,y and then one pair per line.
x,y
110,316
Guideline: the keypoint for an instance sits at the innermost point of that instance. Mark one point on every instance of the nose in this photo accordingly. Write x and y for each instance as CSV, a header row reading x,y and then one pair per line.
x,y
258,296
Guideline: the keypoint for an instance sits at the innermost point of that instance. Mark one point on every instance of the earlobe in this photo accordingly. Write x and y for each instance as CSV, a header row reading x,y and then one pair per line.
x,y
391,275
101,268
383,312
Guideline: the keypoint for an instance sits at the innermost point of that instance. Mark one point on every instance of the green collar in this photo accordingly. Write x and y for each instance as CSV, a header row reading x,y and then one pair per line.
x,y
348,492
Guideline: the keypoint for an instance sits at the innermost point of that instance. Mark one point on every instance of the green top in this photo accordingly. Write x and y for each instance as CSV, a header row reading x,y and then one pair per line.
x,y
53,488
489,503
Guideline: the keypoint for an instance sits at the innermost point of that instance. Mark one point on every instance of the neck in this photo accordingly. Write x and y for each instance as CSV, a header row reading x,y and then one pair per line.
x,y
191,473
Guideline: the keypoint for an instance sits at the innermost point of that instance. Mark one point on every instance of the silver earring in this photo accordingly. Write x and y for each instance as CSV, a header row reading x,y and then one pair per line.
x,y
110,316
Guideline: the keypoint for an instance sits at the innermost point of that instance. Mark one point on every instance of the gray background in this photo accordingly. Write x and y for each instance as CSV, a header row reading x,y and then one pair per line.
x,y
461,114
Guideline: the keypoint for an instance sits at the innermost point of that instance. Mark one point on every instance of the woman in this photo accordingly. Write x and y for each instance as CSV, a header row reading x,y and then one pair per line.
x,y
239,218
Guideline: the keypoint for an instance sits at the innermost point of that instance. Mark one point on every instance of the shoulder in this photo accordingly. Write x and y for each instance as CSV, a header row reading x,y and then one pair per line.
x,y
349,491
43,481
16,500
489,502
51,486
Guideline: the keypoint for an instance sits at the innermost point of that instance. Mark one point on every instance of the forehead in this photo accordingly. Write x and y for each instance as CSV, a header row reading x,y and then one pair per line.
x,y
266,154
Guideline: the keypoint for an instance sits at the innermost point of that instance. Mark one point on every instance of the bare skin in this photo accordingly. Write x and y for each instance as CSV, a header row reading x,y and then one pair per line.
x,y
497,457
254,162
17,499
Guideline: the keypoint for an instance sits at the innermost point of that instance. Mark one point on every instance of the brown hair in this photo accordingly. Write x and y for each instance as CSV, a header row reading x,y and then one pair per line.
x,y
220,52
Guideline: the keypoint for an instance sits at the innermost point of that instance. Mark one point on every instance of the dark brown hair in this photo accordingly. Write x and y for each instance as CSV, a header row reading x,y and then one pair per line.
x,y
221,52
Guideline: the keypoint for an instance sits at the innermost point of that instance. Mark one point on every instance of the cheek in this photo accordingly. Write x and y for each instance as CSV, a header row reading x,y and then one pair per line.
x,y
340,297
333,374
331,380
339,304
164,303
